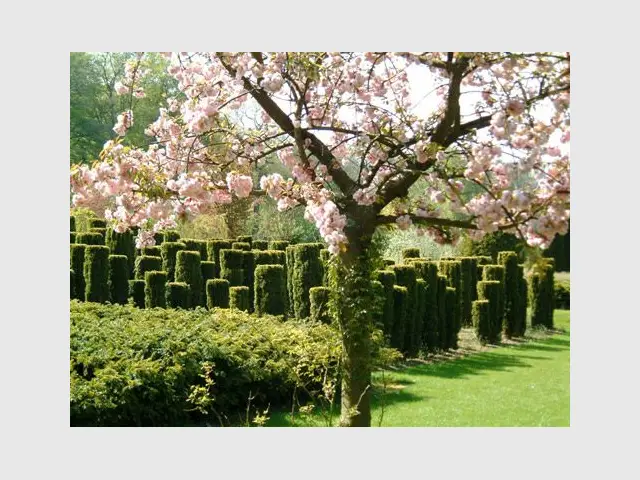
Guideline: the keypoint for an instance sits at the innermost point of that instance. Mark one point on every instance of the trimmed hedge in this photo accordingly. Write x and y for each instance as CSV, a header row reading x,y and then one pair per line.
x,y
188,271
410,253
248,265
213,252
158,237
169,250
103,234
122,244
136,292
523,302
72,237
144,264
208,270
152,251
72,223
96,273
177,295
319,309
231,262
443,333
421,312
278,245
387,278
217,293
245,239
269,257
400,304
72,284
481,320
388,262
406,276
542,295
270,290
307,272
452,270
245,246
289,260
77,265
468,280
154,289
509,260
325,258
497,273
97,223
170,236
491,290
259,245
119,279
431,330
195,245
239,298
164,352
453,326
90,238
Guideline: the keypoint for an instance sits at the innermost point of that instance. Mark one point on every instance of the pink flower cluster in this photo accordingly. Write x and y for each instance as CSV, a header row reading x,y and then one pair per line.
x,y
241,185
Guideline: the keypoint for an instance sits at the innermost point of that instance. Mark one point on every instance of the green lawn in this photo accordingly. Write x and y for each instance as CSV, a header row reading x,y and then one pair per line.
x,y
526,384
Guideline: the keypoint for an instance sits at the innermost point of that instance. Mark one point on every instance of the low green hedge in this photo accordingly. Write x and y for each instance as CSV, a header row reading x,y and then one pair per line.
x,y
132,367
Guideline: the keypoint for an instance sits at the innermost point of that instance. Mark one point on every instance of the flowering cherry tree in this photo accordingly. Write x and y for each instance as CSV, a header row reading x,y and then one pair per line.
x,y
355,138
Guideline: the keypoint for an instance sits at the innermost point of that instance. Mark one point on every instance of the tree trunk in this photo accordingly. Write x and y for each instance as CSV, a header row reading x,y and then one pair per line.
x,y
353,300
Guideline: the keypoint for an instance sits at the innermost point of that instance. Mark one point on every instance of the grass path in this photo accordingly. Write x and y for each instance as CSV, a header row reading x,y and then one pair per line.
x,y
525,384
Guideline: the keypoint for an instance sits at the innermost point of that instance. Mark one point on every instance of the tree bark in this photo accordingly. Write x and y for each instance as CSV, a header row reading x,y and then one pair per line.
x,y
352,290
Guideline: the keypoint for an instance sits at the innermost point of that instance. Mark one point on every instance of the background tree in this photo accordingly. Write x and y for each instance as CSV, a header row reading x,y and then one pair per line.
x,y
349,130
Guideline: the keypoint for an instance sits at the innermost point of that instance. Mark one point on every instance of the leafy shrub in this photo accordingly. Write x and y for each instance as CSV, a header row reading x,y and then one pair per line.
x,y
119,279
133,367
239,298
154,289
270,290
562,294
217,293
177,295
96,273
188,271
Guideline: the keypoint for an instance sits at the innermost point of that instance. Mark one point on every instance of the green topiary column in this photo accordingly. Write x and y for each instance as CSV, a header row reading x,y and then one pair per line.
x,y
319,307
400,303
497,273
491,290
136,292
170,236
451,269
523,300
77,265
208,270
421,312
387,278
406,276
152,251
154,289
89,238
96,273
307,273
468,280
72,224
119,279
410,253
122,244
443,333
195,245
270,290
177,295
259,245
145,264
453,327
481,320
245,239
241,246
72,285
231,262
239,298
217,293
278,245
188,271
169,250
248,266
213,252
509,260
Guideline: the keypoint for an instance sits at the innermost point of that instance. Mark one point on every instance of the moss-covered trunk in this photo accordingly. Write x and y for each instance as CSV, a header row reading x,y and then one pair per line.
x,y
352,301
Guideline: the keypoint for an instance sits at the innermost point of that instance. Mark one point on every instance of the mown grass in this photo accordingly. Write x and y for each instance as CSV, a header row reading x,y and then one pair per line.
x,y
519,384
